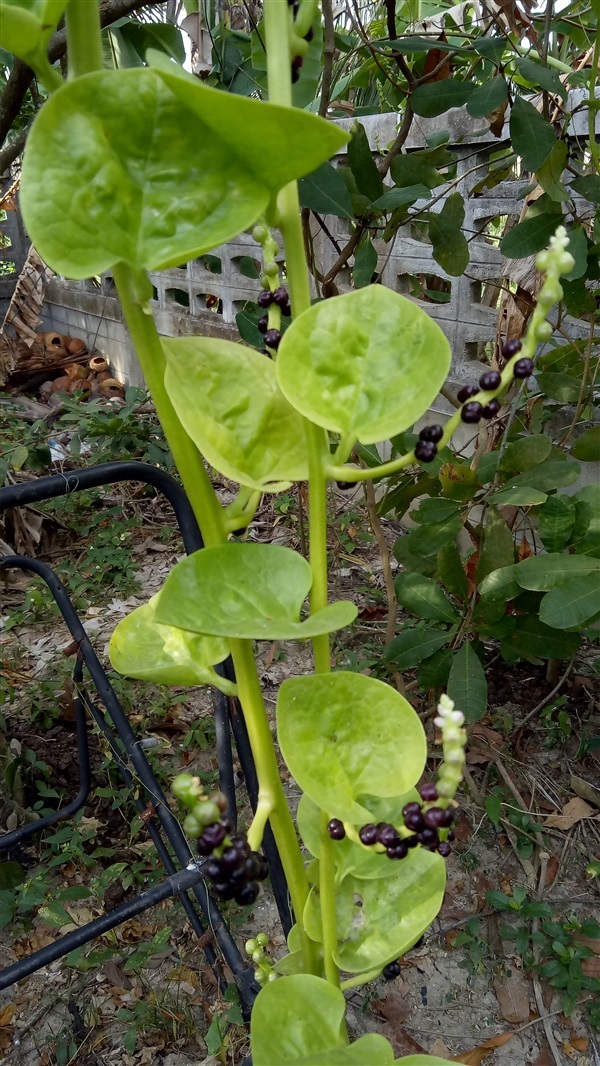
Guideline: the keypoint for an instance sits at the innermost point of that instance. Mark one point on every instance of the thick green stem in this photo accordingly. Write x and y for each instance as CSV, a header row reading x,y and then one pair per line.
x,y
277,28
152,361
271,792
594,146
84,43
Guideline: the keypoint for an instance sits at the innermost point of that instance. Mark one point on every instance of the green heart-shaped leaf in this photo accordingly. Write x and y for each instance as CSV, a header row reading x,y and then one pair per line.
x,y
150,168
248,591
367,364
230,404
344,735
26,28
148,650
380,919
299,1021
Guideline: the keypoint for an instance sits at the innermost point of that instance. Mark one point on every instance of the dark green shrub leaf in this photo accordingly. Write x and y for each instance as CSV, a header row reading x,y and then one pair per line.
x,y
556,522
366,364
398,197
532,640
560,387
362,164
529,236
498,547
537,74
487,97
526,452
587,446
434,671
415,169
434,98
578,248
500,585
344,735
551,474
250,591
365,262
491,48
434,510
325,191
574,604
423,597
542,572
429,539
450,248
230,404
452,571
143,648
414,645
467,685
153,168
588,186
550,173
532,137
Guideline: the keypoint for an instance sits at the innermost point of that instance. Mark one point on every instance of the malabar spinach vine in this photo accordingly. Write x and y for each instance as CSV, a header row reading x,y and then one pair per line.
x,y
137,170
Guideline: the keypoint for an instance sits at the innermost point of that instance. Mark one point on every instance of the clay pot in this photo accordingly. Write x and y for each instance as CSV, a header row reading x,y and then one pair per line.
x,y
76,370
80,385
111,383
61,384
98,364
104,375
75,346
53,340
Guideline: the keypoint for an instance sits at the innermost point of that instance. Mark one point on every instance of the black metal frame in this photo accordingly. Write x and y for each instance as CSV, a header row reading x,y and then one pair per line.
x,y
127,752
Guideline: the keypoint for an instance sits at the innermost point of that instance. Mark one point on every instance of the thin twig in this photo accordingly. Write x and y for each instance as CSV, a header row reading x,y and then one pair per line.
x,y
328,54
545,700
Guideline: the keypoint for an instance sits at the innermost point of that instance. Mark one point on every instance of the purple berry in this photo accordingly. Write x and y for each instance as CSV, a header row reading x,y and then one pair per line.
x,y
286,308
411,842
263,324
368,834
273,339
397,851
451,835
449,815
280,296
391,971
213,870
247,894
471,412
203,846
414,821
231,859
214,834
466,392
490,380
336,830
511,348
425,451
523,368
265,298
427,836
444,849
263,869
223,890
491,408
434,818
428,793
388,836
239,842
411,808
432,433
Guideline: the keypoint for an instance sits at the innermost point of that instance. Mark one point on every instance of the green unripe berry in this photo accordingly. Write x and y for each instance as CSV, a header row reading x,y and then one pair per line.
x,y
260,234
262,939
272,976
544,331
187,788
192,827
260,976
258,955
206,812
250,947
271,270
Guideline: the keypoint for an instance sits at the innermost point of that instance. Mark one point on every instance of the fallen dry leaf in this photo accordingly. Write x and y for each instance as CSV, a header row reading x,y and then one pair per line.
x,y
7,1013
580,1043
552,869
439,1048
590,967
478,1054
513,996
586,791
572,812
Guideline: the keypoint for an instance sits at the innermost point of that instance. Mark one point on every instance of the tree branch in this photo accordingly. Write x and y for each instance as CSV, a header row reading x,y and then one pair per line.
x,y
19,80
328,54
403,67
13,149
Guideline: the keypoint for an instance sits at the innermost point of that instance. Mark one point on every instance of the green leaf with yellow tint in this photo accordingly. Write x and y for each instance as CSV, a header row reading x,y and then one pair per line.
x,y
228,401
367,364
248,591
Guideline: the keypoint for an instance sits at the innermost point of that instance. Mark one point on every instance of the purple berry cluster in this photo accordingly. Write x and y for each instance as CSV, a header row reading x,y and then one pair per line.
x,y
422,819
235,873
426,446
265,298
473,411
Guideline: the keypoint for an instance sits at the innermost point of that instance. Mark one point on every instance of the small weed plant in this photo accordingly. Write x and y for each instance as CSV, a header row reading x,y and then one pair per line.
x,y
168,170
